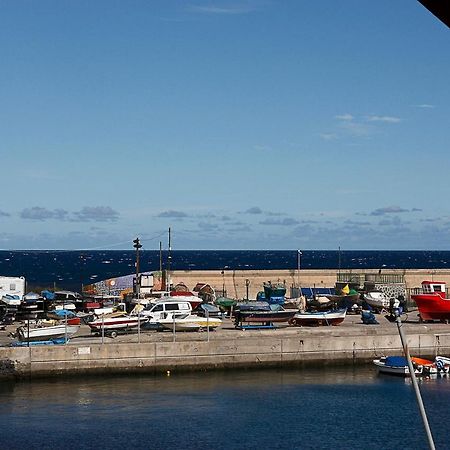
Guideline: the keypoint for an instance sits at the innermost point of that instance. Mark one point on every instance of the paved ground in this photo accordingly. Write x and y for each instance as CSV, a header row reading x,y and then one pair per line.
x,y
352,325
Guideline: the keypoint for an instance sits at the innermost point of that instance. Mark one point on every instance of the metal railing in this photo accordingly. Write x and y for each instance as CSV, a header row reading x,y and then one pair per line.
x,y
361,278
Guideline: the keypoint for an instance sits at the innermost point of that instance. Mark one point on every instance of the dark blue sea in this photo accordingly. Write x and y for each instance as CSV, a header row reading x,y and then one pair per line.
x,y
345,408
71,269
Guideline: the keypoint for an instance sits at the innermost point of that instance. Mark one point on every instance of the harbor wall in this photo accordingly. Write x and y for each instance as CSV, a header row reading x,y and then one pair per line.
x,y
234,281
257,349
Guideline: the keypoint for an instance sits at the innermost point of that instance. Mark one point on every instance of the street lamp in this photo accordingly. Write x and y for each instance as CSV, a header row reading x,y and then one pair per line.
x,y
247,284
299,258
223,282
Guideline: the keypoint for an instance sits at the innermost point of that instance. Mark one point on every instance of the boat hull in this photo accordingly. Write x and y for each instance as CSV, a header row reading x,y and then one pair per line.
x,y
116,323
46,333
264,316
192,323
318,318
432,307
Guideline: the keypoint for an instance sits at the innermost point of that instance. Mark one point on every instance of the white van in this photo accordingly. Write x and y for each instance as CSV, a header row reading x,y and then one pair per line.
x,y
159,310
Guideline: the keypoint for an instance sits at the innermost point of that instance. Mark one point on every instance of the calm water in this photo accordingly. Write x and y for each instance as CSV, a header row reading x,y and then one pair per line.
x,y
327,409
70,269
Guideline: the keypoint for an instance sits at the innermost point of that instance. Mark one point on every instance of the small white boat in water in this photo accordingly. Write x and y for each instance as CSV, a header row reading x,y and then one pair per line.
x,y
398,365
46,333
377,300
189,322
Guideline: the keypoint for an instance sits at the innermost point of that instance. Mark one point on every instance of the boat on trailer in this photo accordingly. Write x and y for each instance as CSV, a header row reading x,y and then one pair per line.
x,y
318,318
261,313
113,323
189,322
433,302
46,333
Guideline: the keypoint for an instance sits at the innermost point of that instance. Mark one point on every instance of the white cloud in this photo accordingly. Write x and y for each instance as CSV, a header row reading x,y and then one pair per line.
x,y
345,117
425,106
387,119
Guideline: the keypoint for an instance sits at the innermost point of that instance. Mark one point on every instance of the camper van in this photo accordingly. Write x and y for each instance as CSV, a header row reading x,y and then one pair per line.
x,y
160,309
12,286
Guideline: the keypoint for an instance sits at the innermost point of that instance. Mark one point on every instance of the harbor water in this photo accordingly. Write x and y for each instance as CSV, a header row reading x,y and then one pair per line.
x,y
71,269
331,408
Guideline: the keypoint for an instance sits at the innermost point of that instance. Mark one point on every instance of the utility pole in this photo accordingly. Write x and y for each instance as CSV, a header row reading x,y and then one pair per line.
x,y
137,245
169,258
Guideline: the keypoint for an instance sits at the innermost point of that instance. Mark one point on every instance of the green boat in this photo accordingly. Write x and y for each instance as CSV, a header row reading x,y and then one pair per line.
x,y
225,303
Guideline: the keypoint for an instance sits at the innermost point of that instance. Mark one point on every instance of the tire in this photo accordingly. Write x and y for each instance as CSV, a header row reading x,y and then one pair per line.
x,y
113,334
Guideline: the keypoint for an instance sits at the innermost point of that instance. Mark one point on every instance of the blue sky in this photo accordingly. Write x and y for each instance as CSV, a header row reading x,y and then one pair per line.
x,y
241,124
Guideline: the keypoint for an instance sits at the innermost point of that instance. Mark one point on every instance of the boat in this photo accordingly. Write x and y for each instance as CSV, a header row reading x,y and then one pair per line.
x,y
261,312
274,293
118,321
433,304
46,333
318,318
398,365
376,300
189,322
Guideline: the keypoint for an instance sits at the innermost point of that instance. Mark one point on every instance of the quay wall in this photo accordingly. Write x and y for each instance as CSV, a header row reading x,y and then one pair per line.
x,y
254,349
234,281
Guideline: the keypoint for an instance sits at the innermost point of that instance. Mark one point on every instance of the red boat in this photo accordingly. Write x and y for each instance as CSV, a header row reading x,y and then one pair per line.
x,y
433,303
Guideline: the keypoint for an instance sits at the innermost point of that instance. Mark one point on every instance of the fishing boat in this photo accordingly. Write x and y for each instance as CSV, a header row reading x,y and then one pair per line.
x,y
189,322
398,365
376,300
318,318
261,312
118,321
46,333
433,302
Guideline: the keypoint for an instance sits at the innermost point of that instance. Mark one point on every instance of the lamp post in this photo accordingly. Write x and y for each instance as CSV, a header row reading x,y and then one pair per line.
x,y
247,284
137,245
299,258
223,282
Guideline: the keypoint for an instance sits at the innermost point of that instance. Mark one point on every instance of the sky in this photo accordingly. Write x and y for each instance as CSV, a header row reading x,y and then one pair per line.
x,y
246,124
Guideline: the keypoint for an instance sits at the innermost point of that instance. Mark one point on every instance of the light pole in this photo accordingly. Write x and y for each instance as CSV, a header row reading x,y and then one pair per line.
x,y
299,258
247,284
223,282
137,245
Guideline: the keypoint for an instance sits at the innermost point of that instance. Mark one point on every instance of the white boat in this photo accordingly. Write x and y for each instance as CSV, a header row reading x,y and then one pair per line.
x,y
319,318
398,365
114,322
376,299
189,322
46,333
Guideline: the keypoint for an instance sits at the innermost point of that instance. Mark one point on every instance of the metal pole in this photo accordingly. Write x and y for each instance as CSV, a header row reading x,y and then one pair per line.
x,y
103,328
65,327
207,324
414,382
139,326
173,317
169,257
160,257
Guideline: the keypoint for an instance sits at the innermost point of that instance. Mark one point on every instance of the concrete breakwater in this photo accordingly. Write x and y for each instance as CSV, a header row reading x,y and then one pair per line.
x,y
351,343
234,282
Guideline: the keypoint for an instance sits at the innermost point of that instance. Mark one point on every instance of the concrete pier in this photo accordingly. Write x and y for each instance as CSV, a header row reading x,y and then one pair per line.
x,y
350,343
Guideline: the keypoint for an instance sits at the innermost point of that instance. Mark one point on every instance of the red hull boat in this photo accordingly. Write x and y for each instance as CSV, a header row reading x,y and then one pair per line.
x,y
433,303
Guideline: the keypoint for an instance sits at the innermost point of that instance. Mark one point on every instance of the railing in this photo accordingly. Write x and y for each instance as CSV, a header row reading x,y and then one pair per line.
x,y
361,278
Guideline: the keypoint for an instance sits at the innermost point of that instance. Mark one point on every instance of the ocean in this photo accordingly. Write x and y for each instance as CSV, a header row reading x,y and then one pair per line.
x,y
71,269
329,408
